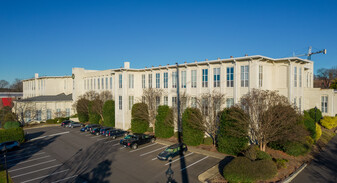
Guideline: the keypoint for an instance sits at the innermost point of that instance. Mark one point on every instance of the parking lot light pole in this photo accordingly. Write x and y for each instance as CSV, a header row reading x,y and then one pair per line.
x,y
169,174
5,157
178,108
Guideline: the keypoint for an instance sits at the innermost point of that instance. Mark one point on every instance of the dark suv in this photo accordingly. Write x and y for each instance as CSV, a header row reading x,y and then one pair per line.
x,y
87,127
65,123
104,130
172,151
114,133
95,131
133,141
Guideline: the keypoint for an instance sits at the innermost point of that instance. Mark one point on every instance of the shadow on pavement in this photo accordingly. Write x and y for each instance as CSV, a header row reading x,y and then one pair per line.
x,y
33,135
224,162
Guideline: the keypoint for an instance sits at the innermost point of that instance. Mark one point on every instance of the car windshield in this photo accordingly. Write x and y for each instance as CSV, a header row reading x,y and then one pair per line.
x,y
129,137
169,150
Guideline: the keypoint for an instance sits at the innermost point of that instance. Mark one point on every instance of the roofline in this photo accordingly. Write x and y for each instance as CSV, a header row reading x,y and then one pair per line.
x,y
47,77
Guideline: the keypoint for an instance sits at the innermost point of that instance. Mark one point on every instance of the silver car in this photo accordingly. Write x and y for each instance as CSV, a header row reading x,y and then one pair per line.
x,y
74,124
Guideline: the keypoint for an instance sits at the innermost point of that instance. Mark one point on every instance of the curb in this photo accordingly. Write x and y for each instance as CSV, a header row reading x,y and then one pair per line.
x,y
208,174
42,126
294,174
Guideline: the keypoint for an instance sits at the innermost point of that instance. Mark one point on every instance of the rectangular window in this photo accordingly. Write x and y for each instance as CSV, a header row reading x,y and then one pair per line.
x,y
260,75
131,101
165,100
183,79
67,112
194,79
295,102
295,76
91,84
94,83
120,80
245,76
157,101
120,102
229,102
131,80
174,101
106,83
300,77
110,82
102,81
216,73
38,115
98,83
48,114
165,80
300,104
194,102
58,113
205,78
174,79
150,80
157,80
324,104
205,104
307,80
143,81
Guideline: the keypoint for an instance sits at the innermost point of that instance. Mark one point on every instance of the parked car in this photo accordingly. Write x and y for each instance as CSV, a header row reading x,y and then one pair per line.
x,y
104,129
65,123
172,151
114,133
93,126
133,141
74,124
87,127
10,145
95,131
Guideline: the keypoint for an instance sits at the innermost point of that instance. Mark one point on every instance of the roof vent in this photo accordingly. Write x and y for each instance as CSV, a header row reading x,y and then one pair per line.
x,y
126,65
36,75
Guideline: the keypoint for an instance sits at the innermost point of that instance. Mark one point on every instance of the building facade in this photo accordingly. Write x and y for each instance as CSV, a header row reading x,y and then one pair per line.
x,y
233,77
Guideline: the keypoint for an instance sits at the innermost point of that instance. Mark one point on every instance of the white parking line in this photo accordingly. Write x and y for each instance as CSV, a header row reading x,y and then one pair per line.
x,y
116,144
101,139
122,147
25,157
143,147
32,160
65,179
31,165
96,136
48,136
111,140
44,176
194,163
29,152
180,158
154,158
88,135
152,151
35,171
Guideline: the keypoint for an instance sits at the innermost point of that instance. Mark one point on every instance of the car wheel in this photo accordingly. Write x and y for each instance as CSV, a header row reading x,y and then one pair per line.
x,y
134,146
114,137
152,140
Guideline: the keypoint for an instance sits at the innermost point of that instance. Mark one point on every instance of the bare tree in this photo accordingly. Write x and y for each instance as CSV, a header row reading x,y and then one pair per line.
x,y
326,76
25,110
270,117
3,84
151,97
17,85
210,106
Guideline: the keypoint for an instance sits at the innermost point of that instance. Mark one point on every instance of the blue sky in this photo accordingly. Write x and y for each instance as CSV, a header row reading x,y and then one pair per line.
x,y
51,37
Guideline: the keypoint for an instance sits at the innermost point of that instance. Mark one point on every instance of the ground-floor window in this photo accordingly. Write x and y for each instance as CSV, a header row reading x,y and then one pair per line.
x,y
229,102
48,114
324,102
67,112
120,103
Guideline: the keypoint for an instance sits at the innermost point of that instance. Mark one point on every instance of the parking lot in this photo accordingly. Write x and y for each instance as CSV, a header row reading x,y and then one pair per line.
x,y
56,154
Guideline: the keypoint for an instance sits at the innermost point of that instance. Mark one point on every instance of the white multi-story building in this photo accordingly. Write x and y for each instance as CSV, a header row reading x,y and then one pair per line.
x,y
233,77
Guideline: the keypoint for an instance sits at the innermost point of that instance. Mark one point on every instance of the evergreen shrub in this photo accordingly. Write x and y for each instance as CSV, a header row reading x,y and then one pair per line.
x,y
191,135
109,113
164,122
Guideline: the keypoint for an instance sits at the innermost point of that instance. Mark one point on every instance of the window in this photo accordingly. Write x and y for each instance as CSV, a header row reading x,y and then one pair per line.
x,y
38,115
157,101
174,79
143,81
194,78
110,82
174,101
67,112
131,100
300,77
216,73
307,80
295,76
27,116
150,80
102,81
157,80
48,114
300,104
229,102
245,76
131,80
324,104
120,103
165,100
106,83
194,102
91,84
183,79
85,84
98,83
94,83
58,113
120,80
205,104
295,102
260,75
165,80
205,78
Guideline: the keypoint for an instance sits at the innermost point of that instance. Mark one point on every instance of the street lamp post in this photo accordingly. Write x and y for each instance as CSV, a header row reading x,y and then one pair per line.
x,y
5,157
169,174
315,114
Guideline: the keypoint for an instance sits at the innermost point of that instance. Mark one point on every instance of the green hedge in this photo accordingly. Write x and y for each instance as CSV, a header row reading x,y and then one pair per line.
x,y
227,143
309,124
164,122
109,113
82,108
318,115
83,117
140,118
296,148
208,141
242,169
11,124
51,121
192,136
12,134
93,117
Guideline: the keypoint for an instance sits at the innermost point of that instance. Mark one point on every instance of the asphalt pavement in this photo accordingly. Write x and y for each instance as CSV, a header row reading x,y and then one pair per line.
x,y
56,154
323,168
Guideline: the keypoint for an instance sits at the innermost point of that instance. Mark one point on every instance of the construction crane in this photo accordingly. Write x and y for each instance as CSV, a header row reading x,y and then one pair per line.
x,y
311,53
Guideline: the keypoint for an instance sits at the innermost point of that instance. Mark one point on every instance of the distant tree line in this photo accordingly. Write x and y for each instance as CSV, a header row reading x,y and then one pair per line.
x,y
15,86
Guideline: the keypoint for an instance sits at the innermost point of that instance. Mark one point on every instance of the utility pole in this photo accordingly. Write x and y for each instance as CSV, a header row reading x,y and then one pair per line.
x,y
178,107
